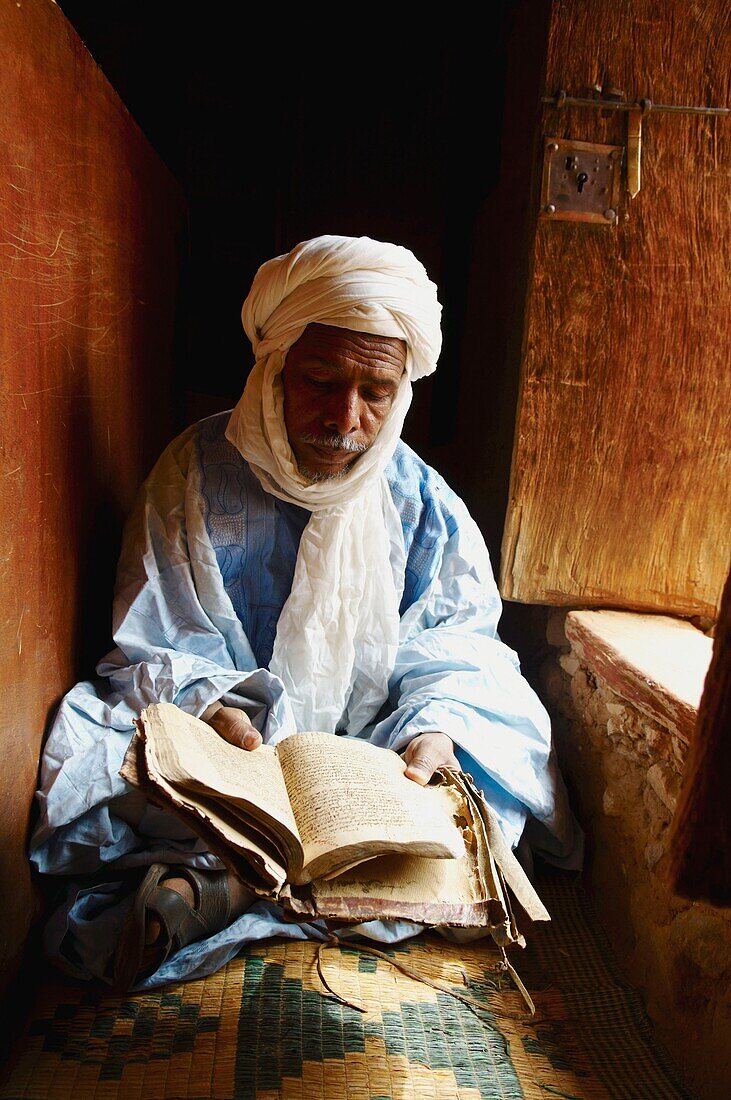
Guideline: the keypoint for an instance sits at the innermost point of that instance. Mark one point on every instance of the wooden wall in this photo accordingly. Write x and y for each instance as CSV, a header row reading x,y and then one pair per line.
x,y
88,253
619,492
701,829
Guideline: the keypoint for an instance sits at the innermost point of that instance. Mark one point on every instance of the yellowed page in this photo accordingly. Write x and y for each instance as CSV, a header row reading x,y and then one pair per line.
x,y
429,891
412,880
501,854
212,821
236,835
408,878
190,755
352,801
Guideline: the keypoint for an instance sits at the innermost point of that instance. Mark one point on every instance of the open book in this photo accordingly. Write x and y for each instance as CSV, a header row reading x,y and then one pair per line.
x,y
331,827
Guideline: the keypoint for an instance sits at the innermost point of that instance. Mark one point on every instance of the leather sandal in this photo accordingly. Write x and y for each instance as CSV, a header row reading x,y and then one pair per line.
x,y
180,923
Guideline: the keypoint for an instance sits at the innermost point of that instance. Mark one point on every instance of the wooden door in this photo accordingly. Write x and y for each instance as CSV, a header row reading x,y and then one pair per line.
x,y
620,478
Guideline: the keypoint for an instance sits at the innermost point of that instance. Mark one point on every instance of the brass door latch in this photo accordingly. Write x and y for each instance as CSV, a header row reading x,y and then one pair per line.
x,y
580,178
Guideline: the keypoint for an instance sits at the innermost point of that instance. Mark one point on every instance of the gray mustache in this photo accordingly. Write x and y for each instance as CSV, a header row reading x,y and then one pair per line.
x,y
334,442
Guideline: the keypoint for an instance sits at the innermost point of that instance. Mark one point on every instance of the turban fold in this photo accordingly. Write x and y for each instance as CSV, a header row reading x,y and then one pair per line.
x,y
348,282
338,631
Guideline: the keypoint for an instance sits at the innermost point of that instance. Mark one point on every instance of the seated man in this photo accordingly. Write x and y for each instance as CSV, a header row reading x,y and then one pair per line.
x,y
289,566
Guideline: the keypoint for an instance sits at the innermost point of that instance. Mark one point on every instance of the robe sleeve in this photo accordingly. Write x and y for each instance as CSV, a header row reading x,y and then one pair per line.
x,y
454,675
178,640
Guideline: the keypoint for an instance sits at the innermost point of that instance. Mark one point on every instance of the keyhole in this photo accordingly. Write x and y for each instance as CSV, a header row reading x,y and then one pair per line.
x,y
581,180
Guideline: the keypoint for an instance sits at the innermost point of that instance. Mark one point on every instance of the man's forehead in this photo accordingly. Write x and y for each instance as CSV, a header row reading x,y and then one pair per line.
x,y
338,346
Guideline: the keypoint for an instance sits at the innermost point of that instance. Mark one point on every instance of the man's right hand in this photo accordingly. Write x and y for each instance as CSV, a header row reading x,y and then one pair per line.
x,y
233,725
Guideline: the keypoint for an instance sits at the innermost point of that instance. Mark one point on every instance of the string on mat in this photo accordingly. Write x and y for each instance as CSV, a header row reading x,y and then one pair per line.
x,y
443,987
333,941
508,966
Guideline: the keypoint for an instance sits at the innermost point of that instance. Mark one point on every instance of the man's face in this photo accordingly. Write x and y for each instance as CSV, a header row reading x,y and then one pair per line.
x,y
339,387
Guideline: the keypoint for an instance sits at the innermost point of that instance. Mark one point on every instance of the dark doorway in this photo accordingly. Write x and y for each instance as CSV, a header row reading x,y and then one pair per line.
x,y
284,132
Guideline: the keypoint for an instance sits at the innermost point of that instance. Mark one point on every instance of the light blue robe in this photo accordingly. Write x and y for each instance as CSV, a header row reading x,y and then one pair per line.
x,y
206,567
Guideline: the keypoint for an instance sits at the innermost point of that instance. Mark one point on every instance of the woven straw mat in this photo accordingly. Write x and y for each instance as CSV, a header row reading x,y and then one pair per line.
x,y
264,1027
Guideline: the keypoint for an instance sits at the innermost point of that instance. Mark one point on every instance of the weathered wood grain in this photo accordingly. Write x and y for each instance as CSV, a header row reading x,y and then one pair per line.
x,y
701,829
89,218
620,480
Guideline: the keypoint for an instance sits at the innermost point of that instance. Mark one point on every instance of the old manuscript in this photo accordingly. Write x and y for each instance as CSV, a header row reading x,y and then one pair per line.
x,y
331,827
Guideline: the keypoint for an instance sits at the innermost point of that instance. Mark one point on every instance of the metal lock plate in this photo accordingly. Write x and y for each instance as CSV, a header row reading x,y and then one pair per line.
x,y
581,181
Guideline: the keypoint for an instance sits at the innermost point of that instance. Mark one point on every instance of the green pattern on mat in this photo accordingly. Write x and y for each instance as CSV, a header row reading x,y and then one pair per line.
x,y
282,1025
83,1033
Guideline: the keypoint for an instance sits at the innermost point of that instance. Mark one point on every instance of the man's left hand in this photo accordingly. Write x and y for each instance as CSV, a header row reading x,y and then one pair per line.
x,y
426,753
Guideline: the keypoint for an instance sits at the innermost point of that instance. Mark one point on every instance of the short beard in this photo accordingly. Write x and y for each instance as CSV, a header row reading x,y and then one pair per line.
x,y
333,443
314,477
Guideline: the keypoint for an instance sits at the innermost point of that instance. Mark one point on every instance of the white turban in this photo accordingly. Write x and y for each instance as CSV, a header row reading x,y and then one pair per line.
x,y
338,631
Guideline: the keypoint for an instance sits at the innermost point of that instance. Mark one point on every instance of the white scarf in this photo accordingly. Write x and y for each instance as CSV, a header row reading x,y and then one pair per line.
x,y
337,634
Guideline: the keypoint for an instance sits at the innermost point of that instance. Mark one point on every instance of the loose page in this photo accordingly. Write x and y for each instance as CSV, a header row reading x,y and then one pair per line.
x,y
193,757
352,801
501,855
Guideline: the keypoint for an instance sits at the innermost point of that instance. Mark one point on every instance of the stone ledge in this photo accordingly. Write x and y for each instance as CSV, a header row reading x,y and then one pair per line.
x,y
656,663
623,769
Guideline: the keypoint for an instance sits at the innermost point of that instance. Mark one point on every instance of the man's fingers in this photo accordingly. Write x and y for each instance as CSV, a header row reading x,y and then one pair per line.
x,y
421,768
426,753
235,727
